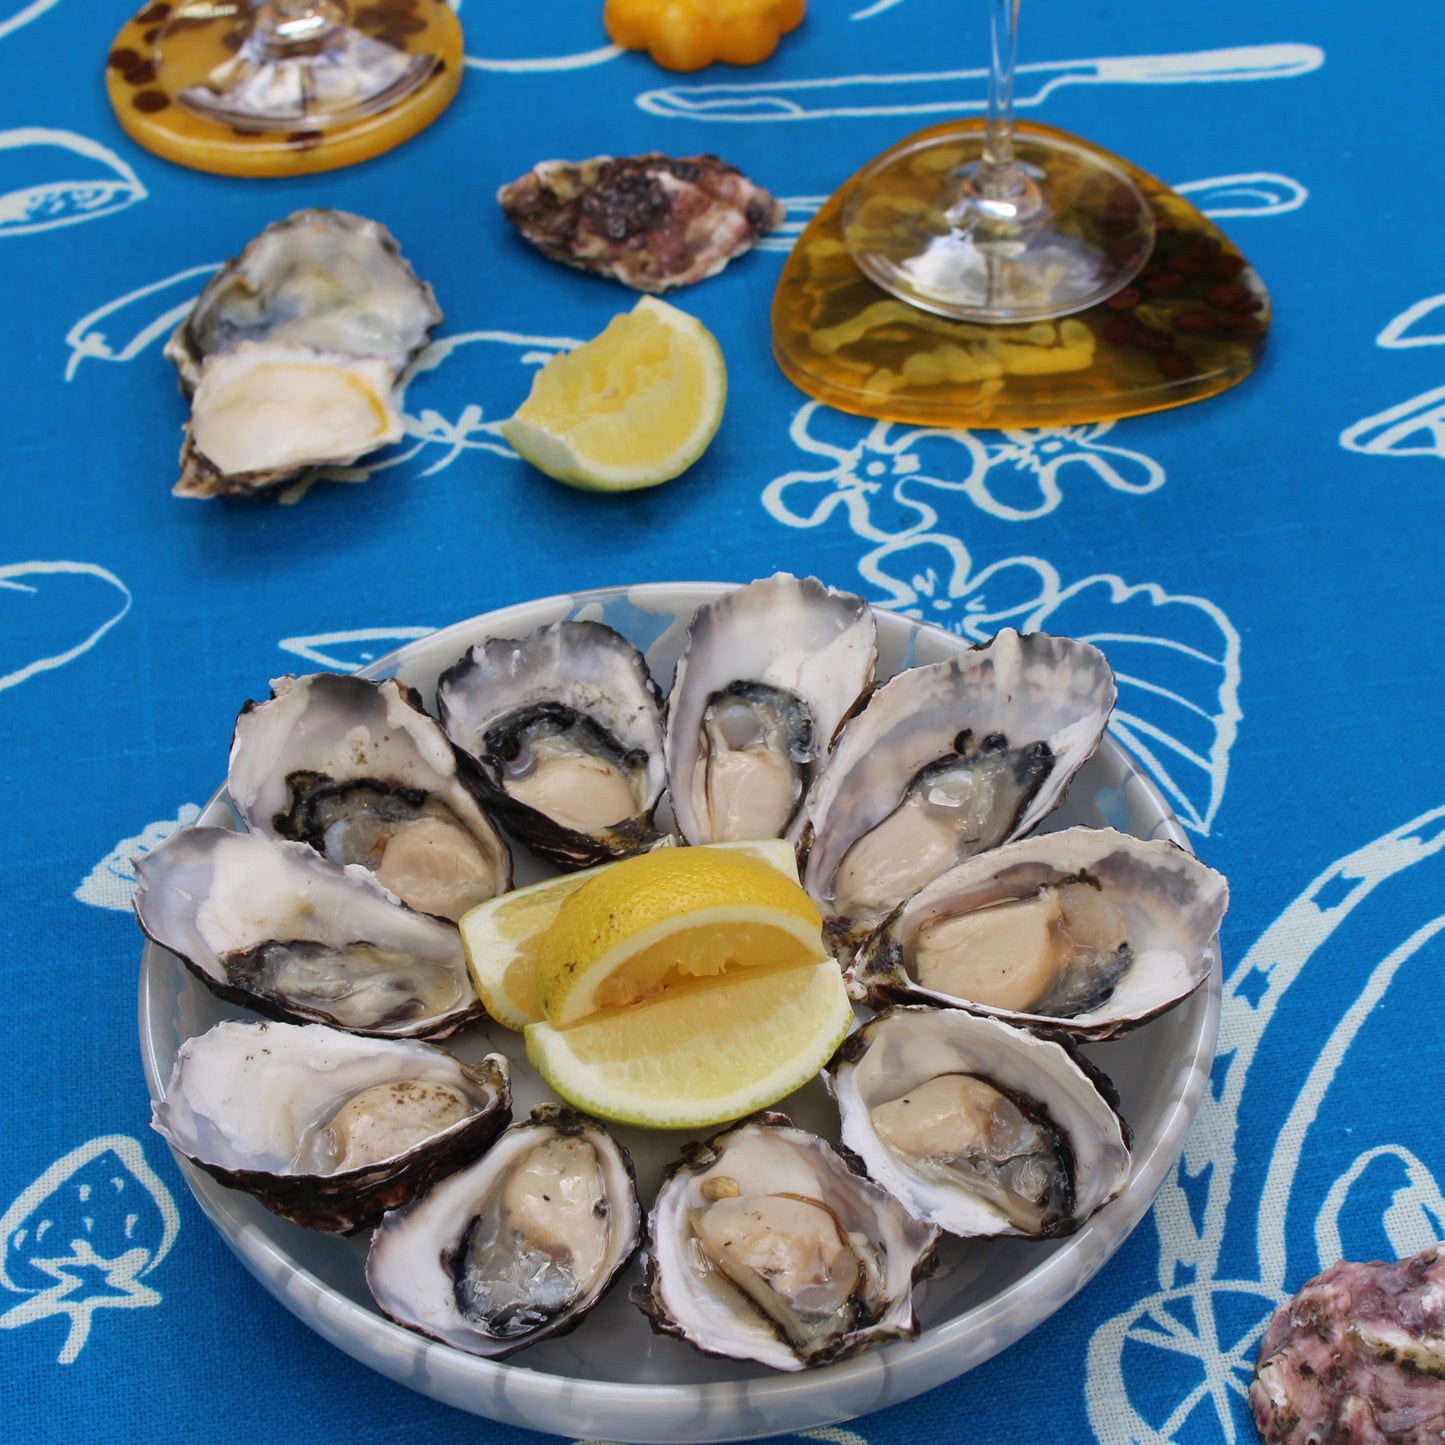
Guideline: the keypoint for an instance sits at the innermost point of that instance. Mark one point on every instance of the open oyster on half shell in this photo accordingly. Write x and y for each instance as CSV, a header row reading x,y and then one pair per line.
x,y
564,731
276,927
292,354
977,1126
943,762
327,1129
518,1246
361,772
765,1244
768,672
1087,930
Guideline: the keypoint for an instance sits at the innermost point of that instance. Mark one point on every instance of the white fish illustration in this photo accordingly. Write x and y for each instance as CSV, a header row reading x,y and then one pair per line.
x,y
1414,428
347,651
51,178
112,882
40,600
957,92
1405,330
136,317
83,1235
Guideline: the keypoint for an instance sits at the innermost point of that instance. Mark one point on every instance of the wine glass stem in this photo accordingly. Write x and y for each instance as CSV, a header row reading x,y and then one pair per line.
x,y
997,176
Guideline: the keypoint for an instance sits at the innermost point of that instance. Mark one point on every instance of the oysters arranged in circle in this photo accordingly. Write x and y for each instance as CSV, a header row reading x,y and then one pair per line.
x,y
945,761
327,1129
977,1126
1087,930
292,353
280,929
518,1246
564,727
768,673
765,1244
364,774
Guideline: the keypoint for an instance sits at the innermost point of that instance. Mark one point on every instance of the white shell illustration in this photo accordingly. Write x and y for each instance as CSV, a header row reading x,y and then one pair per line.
x,y
51,178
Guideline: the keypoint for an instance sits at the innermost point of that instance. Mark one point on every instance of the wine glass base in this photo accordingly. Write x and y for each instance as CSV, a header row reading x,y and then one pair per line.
x,y
1191,324
152,92
914,226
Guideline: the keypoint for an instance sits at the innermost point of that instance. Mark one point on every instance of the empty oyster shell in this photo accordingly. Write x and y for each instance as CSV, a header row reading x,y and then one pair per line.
x,y
1086,930
943,762
320,279
292,353
979,1127
766,676
327,1129
764,1244
280,929
361,772
518,1246
565,729
653,222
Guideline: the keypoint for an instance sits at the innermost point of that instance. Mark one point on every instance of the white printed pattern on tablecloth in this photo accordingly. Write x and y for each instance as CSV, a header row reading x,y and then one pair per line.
x,y
51,178
1182,1328
52,588
1176,657
93,1224
1414,428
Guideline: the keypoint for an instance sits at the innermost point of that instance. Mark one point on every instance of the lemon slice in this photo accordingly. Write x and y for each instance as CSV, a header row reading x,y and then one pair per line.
x,y
631,408
660,924
502,935
703,1057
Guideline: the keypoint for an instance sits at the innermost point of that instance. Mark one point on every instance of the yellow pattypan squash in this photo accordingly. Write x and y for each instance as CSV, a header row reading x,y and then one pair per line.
x,y
688,34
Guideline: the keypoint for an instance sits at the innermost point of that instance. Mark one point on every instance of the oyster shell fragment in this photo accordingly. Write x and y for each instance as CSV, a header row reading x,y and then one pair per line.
x,y
946,761
280,929
767,674
1357,1357
564,727
653,222
362,773
327,1129
978,1127
292,354
515,1248
764,1244
1087,930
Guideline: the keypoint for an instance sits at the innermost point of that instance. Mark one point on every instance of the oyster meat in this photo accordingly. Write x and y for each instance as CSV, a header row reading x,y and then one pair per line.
x,y
979,1127
946,761
362,773
564,727
327,1129
278,928
764,1244
307,332
1086,930
653,222
515,1248
767,674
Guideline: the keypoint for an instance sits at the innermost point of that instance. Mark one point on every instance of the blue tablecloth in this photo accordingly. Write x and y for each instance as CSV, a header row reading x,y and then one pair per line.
x,y
1264,570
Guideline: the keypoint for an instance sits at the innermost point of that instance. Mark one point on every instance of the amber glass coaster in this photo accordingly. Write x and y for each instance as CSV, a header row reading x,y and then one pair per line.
x,y
201,36
1191,324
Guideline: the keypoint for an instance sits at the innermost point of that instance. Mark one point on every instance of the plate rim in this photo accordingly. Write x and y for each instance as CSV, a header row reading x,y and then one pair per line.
x,y
518,1393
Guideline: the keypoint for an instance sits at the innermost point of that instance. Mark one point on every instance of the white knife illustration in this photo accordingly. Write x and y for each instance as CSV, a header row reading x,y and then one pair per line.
x,y
950,92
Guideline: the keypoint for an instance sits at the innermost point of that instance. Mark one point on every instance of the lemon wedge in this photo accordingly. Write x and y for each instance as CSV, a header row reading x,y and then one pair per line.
x,y
685,987
701,1058
631,408
502,936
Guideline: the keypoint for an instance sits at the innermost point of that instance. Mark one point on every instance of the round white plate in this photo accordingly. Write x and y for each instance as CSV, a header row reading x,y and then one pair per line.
x,y
613,1378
